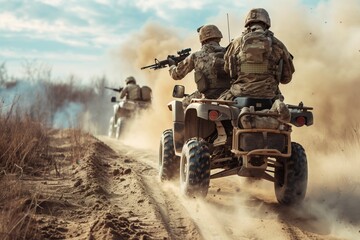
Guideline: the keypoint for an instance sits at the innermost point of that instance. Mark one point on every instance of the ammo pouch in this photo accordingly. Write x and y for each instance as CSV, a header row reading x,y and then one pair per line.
x,y
201,82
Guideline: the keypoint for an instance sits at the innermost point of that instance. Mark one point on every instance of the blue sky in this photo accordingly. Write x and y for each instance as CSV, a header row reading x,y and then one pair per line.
x,y
74,36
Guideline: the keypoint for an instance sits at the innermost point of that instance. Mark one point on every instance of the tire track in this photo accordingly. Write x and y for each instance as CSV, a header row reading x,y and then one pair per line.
x,y
233,209
174,217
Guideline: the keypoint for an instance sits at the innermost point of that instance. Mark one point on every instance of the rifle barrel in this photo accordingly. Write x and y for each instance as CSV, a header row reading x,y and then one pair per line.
x,y
182,54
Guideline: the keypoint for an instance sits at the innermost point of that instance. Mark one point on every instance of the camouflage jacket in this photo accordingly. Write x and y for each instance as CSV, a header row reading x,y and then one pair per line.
x,y
208,64
263,85
131,92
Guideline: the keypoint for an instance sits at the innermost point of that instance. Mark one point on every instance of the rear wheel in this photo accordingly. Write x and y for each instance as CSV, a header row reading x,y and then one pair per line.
x,y
168,161
291,178
195,168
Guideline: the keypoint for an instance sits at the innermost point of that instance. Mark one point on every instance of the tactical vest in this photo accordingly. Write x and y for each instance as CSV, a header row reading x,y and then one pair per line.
x,y
255,54
134,92
209,69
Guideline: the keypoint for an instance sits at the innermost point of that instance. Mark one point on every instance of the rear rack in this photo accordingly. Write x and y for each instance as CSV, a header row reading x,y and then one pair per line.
x,y
299,107
225,102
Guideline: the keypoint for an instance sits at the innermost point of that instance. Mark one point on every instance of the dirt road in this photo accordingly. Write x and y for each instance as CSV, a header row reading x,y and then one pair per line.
x,y
113,192
233,209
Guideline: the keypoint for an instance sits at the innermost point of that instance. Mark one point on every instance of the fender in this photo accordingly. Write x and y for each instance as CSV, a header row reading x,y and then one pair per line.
x,y
178,125
195,122
198,124
203,110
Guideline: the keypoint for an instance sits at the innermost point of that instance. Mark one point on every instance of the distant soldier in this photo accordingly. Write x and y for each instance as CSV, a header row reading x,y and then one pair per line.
x,y
131,91
257,60
208,63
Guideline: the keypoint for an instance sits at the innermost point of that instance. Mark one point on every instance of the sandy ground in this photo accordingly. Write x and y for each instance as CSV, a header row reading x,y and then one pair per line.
x,y
114,193
233,209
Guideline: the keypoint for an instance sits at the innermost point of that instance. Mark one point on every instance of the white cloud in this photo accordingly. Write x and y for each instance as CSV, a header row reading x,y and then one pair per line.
x,y
59,31
54,3
83,12
164,8
10,22
104,2
169,4
48,56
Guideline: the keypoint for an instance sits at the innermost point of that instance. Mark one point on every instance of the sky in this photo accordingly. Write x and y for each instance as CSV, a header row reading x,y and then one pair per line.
x,y
76,37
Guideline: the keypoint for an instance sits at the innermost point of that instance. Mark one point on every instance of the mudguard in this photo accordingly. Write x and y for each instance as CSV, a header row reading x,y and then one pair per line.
x,y
203,111
195,122
178,125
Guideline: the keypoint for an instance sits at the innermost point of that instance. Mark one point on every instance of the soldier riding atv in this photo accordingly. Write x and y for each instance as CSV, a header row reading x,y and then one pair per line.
x,y
231,135
133,99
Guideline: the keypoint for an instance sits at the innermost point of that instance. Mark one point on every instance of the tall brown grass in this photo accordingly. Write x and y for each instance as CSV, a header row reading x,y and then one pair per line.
x,y
25,148
21,142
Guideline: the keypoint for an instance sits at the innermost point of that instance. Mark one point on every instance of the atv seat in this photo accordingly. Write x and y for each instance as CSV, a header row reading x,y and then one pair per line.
x,y
258,103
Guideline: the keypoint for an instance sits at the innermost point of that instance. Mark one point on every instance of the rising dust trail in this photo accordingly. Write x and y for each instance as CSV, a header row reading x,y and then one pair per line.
x,y
324,40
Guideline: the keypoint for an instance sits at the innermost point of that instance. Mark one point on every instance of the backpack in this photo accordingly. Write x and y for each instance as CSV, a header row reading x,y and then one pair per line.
x,y
255,51
146,93
209,69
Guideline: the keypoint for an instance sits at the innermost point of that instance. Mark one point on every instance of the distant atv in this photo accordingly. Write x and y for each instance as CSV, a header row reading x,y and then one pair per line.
x,y
124,110
209,134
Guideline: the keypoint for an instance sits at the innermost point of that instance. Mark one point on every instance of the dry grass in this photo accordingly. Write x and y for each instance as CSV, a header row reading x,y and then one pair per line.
x,y
15,221
25,148
21,141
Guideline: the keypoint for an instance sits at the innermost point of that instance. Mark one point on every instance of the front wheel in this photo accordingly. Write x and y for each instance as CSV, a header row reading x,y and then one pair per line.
x,y
168,161
111,132
195,168
119,128
291,179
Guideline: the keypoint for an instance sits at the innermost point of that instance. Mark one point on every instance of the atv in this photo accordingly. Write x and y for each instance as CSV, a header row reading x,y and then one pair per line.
x,y
123,111
209,134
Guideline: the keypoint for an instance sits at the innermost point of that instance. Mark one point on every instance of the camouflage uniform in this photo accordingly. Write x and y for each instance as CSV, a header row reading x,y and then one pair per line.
x,y
258,62
253,80
208,63
132,91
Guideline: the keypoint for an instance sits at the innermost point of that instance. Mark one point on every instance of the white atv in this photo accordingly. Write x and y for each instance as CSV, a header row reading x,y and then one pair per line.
x,y
209,134
123,111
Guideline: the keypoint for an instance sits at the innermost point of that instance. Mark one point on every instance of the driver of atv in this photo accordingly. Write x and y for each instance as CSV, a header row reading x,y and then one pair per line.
x,y
208,63
257,62
131,91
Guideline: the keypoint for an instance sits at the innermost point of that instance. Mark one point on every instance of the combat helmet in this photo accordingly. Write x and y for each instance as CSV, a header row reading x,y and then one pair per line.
x,y
130,79
258,15
209,31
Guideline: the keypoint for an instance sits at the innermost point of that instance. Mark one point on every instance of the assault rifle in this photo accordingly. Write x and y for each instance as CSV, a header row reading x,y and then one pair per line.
x,y
182,54
115,89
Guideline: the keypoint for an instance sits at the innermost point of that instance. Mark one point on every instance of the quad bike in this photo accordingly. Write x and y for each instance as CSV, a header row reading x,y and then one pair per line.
x,y
209,135
123,111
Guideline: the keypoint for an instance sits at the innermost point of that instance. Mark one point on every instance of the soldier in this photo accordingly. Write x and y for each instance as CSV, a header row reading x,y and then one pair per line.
x,y
258,61
208,63
131,91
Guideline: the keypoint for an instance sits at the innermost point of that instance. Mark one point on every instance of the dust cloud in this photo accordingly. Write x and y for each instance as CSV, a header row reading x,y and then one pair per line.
x,y
140,49
324,40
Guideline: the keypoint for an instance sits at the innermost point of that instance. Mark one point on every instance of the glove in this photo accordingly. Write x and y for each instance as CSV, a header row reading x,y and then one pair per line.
x,y
171,61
